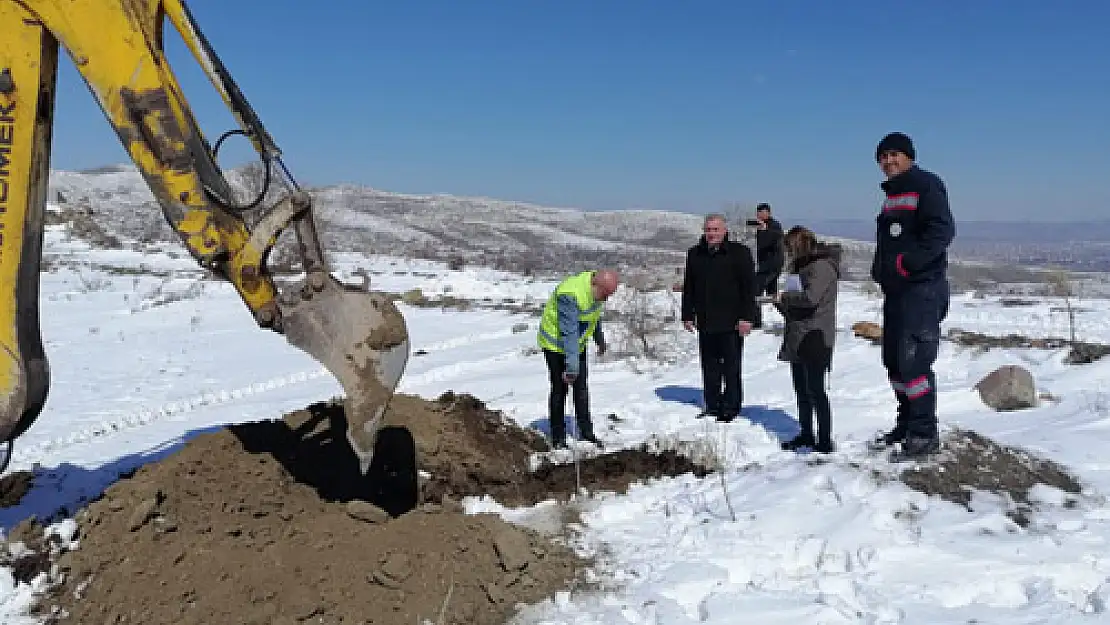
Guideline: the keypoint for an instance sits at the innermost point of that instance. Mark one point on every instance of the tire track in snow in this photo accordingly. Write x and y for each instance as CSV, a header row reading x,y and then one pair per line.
x,y
471,339
36,453
454,370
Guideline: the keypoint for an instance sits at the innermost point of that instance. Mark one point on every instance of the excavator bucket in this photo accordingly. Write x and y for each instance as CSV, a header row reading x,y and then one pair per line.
x,y
361,338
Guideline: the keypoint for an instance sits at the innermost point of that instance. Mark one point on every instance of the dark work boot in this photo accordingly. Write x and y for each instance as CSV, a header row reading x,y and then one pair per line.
x,y
917,448
824,447
799,441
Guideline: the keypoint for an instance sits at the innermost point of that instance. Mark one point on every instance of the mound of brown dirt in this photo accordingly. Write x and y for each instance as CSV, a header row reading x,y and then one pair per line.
x,y
471,451
970,461
270,523
267,523
467,448
613,472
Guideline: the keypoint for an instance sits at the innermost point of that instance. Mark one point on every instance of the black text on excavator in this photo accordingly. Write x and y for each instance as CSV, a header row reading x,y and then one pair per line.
x,y
117,47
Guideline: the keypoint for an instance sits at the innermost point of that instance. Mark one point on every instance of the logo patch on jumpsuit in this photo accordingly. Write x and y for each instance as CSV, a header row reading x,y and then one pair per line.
x,y
895,229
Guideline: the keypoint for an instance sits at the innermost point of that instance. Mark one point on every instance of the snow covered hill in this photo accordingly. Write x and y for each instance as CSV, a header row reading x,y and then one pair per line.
x,y
112,204
353,218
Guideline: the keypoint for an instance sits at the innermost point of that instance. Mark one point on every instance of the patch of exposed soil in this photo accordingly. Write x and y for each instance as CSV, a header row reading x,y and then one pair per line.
x,y
986,341
1010,302
472,451
613,472
14,486
1081,353
970,461
1085,353
270,523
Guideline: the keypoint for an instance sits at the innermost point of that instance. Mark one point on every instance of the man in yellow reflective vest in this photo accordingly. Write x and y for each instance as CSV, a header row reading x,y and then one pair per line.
x,y
571,317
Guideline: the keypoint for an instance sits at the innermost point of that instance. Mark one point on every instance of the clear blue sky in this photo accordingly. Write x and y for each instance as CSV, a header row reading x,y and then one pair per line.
x,y
604,104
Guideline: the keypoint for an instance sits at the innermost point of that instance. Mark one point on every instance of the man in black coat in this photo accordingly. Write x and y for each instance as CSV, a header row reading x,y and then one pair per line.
x,y
770,253
913,232
719,300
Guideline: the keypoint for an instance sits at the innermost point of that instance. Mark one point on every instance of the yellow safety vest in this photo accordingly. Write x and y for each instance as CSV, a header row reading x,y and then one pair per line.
x,y
589,311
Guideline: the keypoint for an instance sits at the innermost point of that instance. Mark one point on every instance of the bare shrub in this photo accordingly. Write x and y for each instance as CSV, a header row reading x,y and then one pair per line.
x,y
643,326
160,295
642,323
1062,286
93,283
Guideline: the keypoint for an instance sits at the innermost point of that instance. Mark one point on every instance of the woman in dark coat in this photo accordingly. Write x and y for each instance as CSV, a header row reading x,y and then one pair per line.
x,y
808,304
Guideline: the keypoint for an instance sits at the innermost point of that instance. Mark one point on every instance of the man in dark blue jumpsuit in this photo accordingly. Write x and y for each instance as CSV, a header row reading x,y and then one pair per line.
x,y
914,231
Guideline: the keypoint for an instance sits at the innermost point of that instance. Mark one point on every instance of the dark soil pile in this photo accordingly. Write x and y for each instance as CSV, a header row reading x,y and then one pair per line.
x,y
1081,353
478,452
270,523
970,461
976,339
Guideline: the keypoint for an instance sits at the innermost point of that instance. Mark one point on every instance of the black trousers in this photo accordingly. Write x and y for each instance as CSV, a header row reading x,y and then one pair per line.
x,y
809,388
911,341
557,398
721,363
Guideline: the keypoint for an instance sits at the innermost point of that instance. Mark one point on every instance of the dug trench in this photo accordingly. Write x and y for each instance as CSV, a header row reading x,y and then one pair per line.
x,y
271,523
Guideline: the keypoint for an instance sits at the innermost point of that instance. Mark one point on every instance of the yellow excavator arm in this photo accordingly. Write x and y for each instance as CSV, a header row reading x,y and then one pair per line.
x,y
117,47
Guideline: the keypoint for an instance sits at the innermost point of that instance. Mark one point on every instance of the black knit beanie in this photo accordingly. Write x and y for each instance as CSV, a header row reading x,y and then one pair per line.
x,y
899,143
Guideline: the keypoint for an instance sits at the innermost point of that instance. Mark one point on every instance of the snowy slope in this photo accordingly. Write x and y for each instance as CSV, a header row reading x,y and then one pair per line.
x,y
360,219
142,358
113,203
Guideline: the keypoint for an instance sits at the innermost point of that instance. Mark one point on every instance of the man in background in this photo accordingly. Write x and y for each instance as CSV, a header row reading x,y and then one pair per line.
x,y
914,230
770,253
718,300
571,317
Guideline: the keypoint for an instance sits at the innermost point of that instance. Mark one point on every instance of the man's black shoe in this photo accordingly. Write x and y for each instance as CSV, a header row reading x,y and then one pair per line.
x,y
798,442
726,417
559,444
707,413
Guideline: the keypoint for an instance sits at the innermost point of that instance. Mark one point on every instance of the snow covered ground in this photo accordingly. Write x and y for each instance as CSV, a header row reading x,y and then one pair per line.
x,y
140,361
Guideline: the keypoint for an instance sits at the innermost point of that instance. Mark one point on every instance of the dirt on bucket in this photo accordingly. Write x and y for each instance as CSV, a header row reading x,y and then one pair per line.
x,y
270,523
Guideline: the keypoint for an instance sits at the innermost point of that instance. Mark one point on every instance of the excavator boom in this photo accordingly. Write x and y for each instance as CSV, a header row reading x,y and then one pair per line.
x,y
117,46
